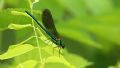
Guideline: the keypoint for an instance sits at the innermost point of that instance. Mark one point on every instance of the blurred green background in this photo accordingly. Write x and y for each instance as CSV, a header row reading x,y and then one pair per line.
x,y
90,29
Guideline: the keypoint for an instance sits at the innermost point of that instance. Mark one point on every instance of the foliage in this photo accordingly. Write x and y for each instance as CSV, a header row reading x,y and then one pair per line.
x,y
90,30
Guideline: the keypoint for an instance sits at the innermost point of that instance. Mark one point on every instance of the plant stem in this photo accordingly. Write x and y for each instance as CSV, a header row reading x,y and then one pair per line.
x,y
39,48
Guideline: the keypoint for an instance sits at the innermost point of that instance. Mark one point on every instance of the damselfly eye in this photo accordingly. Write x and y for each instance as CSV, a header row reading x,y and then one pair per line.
x,y
63,46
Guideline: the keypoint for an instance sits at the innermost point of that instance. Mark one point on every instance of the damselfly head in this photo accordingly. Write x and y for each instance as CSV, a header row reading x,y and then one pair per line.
x,y
59,42
63,46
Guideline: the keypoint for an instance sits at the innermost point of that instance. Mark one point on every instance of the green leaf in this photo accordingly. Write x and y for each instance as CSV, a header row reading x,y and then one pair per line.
x,y
36,1
77,61
118,65
18,13
55,59
9,16
99,6
31,3
17,4
27,64
52,51
53,5
77,33
16,50
18,26
44,37
77,7
1,4
105,31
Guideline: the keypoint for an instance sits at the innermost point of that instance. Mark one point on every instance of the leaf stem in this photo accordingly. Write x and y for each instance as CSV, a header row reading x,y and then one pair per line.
x,y
27,39
39,48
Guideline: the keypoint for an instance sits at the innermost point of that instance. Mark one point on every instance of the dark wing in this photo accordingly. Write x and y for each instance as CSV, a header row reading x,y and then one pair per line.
x,y
49,23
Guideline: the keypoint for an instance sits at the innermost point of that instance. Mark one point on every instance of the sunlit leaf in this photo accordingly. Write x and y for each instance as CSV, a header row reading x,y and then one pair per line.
x,y
77,7
16,50
27,64
1,4
54,59
18,26
99,6
44,37
36,1
18,13
78,61
118,65
6,18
